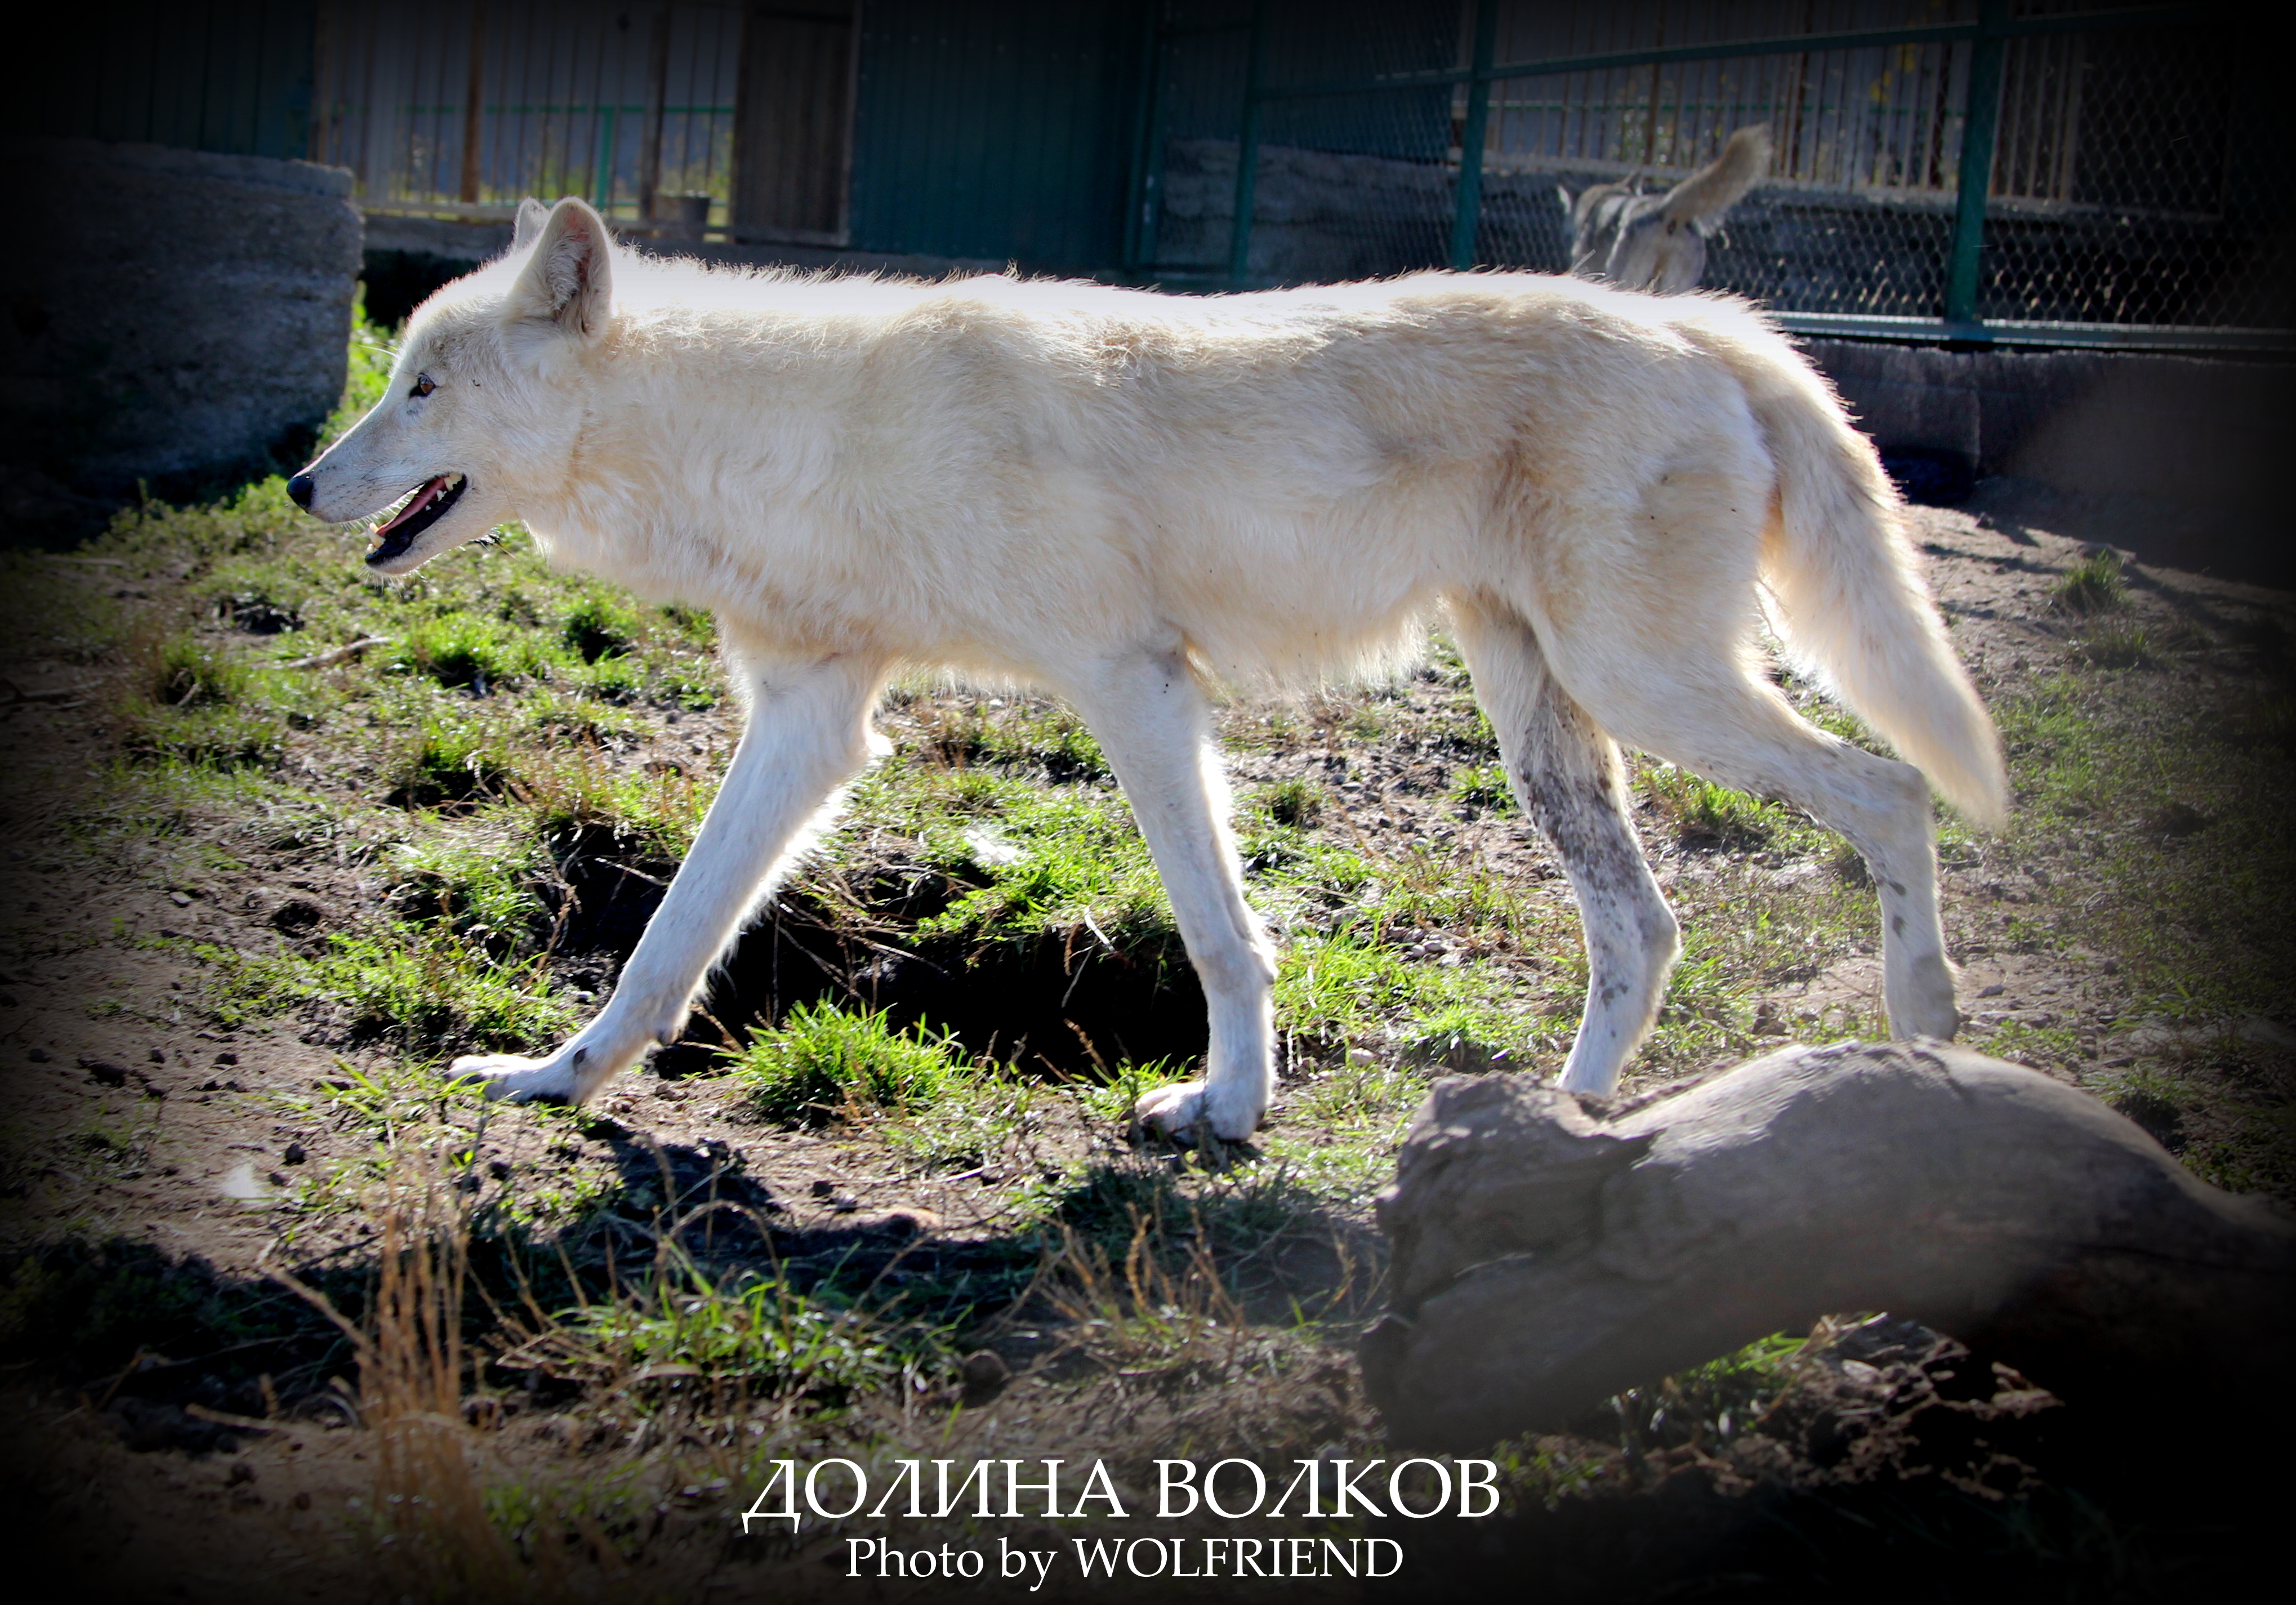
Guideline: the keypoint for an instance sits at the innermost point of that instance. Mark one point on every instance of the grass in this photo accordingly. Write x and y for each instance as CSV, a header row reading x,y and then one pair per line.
x,y
1704,814
2094,585
2115,645
822,1061
419,986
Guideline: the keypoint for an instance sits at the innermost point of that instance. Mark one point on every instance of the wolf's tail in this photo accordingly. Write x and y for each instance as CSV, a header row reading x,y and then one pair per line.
x,y
1703,197
1837,557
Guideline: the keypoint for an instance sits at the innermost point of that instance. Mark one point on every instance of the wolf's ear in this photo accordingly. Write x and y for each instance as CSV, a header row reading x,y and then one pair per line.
x,y
531,215
566,288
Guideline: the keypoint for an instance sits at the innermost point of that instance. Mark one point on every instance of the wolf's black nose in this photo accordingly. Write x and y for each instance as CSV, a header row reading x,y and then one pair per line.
x,y
299,491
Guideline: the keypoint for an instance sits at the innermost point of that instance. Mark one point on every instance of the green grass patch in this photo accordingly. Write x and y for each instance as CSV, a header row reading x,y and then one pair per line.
x,y
1481,786
2094,585
2116,644
421,986
1704,814
822,1060
466,649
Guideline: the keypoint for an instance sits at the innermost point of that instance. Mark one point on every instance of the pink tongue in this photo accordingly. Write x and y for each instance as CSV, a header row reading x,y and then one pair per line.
x,y
429,494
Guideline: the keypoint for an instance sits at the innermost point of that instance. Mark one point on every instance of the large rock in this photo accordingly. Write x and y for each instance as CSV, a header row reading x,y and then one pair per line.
x,y
170,316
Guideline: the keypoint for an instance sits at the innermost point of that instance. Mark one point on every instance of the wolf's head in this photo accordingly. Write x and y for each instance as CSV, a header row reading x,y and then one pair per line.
x,y
481,404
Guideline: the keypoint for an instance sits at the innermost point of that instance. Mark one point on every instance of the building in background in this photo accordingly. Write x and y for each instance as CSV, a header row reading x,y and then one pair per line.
x,y
2136,174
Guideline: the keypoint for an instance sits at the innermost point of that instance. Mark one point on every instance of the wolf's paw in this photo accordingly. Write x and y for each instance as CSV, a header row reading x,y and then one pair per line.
x,y
516,1079
1175,1112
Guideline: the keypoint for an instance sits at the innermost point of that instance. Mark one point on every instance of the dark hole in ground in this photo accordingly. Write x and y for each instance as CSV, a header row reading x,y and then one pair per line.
x,y
1056,1006
2163,1121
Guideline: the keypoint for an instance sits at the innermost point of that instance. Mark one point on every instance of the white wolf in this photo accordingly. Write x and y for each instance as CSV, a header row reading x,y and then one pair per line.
x,y
1122,496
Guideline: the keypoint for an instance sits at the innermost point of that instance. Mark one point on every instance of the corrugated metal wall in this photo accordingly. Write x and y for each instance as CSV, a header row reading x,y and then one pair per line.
x,y
794,121
228,76
465,105
997,131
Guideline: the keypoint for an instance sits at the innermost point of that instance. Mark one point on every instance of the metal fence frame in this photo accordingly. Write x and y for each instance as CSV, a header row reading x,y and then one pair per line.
x,y
1988,36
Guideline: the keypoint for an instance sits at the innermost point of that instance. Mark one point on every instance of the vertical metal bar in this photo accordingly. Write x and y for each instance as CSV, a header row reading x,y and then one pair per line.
x,y
1467,213
1979,124
1140,183
1247,151
602,180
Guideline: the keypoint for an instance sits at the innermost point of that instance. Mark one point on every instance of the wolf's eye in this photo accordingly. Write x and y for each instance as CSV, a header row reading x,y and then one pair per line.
x,y
423,385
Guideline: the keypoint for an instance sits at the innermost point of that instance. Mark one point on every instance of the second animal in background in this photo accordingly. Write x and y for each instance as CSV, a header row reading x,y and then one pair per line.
x,y
1658,242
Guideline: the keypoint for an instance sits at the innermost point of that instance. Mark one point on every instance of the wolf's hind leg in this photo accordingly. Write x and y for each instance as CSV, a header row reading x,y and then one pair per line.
x,y
1738,732
807,733
1149,718
1564,770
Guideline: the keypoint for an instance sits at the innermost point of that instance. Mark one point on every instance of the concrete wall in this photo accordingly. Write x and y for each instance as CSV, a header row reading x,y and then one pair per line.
x,y
170,316
2176,458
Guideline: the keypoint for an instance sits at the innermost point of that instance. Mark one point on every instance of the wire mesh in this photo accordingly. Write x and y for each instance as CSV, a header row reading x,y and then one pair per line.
x,y
2135,177
2138,203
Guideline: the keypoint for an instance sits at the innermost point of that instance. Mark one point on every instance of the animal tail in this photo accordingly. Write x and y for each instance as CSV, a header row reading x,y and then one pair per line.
x,y
1837,557
1702,199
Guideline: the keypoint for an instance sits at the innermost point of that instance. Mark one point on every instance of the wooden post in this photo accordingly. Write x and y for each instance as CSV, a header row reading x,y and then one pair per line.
x,y
656,94
474,99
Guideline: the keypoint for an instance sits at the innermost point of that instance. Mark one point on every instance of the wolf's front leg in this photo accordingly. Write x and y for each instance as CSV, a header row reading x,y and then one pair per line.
x,y
807,733
1151,719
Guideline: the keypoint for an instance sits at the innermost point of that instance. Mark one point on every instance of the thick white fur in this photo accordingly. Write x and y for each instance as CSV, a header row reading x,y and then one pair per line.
x,y
1120,496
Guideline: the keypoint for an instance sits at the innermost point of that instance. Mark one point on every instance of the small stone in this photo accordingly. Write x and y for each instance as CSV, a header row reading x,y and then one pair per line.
x,y
296,1154
984,1370
234,1059
103,1071
37,1055
241,1471
844,1203
159,1057
302,1500
823,1187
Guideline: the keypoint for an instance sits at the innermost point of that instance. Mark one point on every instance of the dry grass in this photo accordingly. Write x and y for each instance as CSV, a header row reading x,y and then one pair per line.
x,y
431,1528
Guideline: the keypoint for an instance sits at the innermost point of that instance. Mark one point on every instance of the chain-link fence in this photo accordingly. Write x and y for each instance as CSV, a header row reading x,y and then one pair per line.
x,y
2028,170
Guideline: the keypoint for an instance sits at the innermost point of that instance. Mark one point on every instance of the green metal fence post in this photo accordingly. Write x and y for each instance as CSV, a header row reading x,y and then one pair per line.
x,y
1141,184
1468,211
1975,182
1247,152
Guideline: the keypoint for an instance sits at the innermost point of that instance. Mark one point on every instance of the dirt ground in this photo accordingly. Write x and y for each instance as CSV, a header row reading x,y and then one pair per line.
x,y
171,1141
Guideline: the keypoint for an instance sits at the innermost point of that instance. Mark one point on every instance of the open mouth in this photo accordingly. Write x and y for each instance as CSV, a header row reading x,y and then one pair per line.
x,y
421,509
